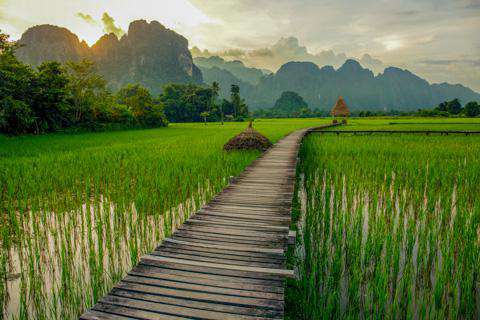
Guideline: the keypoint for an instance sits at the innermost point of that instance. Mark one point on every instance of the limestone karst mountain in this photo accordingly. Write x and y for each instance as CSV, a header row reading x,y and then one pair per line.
x,y
153,55
148,53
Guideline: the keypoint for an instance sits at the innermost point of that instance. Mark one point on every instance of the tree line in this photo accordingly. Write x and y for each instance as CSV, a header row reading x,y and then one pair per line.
x,y
56,97
292,105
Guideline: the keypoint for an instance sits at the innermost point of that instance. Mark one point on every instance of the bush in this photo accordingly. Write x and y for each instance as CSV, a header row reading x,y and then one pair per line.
x,y
16,117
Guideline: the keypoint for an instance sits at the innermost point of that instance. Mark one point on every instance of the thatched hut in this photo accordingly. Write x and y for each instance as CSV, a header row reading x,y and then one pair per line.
x,y
340,109
249,139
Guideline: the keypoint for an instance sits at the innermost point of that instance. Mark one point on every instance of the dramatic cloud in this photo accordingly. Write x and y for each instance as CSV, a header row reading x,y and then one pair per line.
x,y
285,50
110,27
397,32
87,18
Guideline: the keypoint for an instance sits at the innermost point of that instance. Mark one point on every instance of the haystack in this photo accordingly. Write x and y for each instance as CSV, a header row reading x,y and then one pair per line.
x,y
340,109
249,139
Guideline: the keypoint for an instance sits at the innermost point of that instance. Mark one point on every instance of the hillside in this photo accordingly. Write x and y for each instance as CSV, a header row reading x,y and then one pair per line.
x,y
149,54
320,87
237,68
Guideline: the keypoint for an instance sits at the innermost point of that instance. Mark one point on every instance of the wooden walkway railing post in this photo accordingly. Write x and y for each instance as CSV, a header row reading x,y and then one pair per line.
x,y
225,262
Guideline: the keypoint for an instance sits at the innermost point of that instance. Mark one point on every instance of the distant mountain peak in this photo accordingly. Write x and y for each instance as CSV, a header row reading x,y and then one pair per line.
x,y
351,65
148,54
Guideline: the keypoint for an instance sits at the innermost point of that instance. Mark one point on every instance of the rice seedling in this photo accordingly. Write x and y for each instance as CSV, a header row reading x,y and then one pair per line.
x,y
77,211
389,227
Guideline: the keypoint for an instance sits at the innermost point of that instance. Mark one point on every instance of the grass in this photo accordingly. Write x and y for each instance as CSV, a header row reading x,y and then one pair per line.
x,y
78,210
389,225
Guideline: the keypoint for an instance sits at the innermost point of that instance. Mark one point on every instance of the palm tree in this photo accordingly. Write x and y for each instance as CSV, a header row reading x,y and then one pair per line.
x,y
235,98
215,91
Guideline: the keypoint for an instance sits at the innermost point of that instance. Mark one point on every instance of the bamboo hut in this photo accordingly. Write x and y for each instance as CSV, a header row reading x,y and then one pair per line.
x,y
340,109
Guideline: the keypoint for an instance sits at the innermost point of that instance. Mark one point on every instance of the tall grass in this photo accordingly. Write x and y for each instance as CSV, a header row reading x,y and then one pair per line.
x,y
389,227
77,211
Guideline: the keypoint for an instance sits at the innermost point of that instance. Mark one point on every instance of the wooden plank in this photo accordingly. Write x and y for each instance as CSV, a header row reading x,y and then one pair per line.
x,y
216,274
210,252
236,224
122,311
214,281
213,306
202,288
183,236
224,259
292,237
172,309
280,272
233,248
98,315
201,296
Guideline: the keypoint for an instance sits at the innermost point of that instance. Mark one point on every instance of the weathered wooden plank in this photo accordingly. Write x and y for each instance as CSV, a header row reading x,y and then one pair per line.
x,y
172,309
213,306
268,271
201,296
122,311
233,276
202,288
241,248
224,259
236,224
200,278
223,241
98,315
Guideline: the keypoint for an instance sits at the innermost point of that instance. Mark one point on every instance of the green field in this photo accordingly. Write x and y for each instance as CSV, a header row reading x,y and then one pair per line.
x,y
389,224
79,210
74,206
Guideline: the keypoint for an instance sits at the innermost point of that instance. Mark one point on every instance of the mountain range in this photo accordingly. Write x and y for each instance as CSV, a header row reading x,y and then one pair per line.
x,y
148,53
153,55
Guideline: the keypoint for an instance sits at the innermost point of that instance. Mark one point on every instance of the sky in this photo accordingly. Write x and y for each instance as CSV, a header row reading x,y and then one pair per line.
x,y
436,39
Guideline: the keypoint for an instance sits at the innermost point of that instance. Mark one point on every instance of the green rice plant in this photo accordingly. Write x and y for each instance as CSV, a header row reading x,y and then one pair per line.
x,y
389,227
78,210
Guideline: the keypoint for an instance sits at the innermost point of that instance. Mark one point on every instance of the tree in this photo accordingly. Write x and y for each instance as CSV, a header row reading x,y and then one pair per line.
x,y
205,115
185,102
145,110
215,91
235,98
472,109
50,98
16,117
87,89
454,106
240,108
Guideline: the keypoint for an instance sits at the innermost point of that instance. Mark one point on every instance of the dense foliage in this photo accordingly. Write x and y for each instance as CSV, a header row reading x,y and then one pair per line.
x,y
192,103
452,108
55,97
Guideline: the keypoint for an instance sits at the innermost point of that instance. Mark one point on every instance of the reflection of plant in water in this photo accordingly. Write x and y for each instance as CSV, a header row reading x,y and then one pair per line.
x,y
96,246
389,227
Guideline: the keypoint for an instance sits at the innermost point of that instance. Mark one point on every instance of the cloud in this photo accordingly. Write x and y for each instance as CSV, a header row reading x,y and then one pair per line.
x,y
284,50
87,18
446,62
376,65
110,27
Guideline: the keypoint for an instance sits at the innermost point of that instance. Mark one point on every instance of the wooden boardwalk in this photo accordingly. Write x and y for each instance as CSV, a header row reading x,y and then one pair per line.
x,y
227,261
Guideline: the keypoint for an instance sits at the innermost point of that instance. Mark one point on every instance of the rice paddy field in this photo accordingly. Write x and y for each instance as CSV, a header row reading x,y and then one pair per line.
x,y
388,224
77,211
